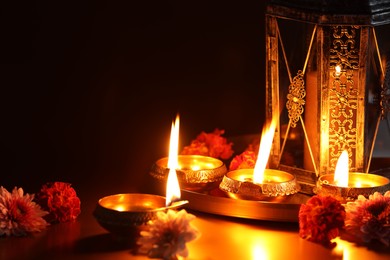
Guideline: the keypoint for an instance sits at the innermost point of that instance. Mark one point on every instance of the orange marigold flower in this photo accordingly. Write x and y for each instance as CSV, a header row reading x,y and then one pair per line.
x,y
320,219
197,148
245,160
60,200
210,144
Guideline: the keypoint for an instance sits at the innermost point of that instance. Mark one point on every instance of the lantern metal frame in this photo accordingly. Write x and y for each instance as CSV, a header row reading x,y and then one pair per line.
x,y
336,94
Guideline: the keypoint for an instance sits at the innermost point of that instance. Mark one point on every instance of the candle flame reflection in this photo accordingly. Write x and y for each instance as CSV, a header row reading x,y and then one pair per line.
x,y
264,150
120,208
337,70
259,252
342,171
173,189
341,251
195,167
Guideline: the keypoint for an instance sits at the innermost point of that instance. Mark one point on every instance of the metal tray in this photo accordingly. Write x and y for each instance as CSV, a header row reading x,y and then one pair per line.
x,y
216,202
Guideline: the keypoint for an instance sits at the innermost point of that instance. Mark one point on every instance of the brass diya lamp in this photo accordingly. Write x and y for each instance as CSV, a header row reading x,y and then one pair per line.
x,y
260,183
124,214
194,172
276,185
347,186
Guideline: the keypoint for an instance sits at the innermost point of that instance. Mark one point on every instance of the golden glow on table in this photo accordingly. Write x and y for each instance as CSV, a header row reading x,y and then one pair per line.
x,y
225,238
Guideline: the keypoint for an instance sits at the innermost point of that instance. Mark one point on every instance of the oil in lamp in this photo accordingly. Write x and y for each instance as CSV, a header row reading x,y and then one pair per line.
x,y
194,172
327,78
260,183
347,186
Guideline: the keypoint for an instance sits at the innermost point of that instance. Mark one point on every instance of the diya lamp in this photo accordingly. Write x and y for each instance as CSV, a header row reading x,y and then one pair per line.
x,y
124,214
194,172
347,186
260,183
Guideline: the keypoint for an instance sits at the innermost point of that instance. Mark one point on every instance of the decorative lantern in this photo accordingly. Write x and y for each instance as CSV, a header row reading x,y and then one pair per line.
x,y
326,80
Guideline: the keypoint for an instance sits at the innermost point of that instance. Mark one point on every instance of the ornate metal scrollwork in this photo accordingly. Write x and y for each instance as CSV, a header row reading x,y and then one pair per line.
x,y
343,98
296,98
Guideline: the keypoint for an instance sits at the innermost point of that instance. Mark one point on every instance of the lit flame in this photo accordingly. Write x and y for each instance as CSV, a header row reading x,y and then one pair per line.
x,y
264,150
173,188
342,171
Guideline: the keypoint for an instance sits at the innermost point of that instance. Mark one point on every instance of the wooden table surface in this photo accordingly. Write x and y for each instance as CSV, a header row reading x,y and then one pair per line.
x,y
222,237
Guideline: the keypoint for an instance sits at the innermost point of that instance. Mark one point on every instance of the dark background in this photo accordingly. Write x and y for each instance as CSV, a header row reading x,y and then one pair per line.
x,y
89,89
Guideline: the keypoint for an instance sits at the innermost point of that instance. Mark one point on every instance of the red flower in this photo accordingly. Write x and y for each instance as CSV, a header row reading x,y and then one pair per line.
x,y
245,160
60,200
210,144
320,219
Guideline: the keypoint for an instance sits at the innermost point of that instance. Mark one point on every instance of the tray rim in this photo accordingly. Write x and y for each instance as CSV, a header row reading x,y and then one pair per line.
x,y
247,209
